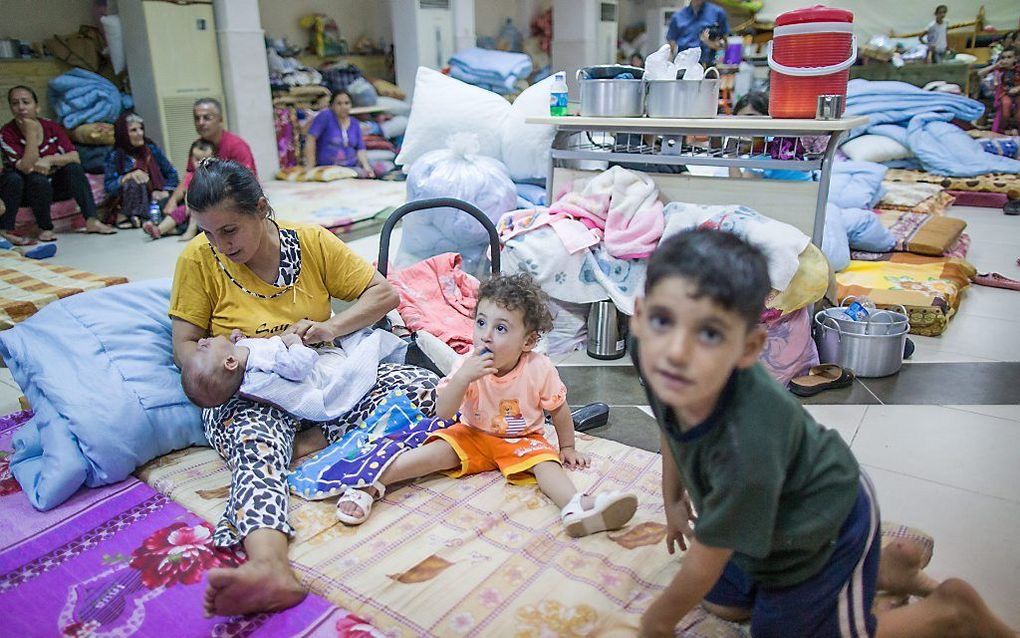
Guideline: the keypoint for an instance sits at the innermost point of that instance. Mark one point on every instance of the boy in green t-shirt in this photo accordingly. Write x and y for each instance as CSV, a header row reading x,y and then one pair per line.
x,y
787,528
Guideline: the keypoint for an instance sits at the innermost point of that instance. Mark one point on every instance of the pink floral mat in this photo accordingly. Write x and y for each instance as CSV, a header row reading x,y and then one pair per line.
x,y
124,560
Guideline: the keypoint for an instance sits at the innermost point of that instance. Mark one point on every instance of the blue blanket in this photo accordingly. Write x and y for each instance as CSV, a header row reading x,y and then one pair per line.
x,y
497,71
920,120
98,369
81,97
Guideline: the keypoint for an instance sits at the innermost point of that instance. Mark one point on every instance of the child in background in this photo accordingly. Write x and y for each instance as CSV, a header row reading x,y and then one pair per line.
x,y
502,392
936,37
787,527
175,212
1006,74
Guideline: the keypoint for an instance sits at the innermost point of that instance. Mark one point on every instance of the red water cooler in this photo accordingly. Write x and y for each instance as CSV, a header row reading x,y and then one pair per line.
x,y
811,54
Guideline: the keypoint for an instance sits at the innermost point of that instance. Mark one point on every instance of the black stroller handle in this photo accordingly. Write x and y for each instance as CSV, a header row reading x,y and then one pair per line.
x,y
436,202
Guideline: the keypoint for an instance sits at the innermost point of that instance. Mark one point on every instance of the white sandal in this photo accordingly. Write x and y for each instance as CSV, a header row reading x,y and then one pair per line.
x,y
611,510
360,497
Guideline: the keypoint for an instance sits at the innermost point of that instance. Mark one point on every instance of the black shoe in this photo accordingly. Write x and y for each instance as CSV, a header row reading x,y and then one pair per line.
x,y
1012,207
908,349
591,416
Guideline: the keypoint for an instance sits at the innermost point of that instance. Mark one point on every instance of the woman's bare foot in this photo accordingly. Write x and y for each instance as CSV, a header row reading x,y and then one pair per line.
x,y
254,587
16,239
899,570
47,235
96,227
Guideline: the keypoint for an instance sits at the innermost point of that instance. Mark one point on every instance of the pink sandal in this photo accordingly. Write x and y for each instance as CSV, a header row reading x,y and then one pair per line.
x,y
152,230
995,280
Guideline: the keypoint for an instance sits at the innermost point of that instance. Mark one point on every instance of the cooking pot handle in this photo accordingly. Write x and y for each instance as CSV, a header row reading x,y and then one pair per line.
x,y
709,70
811,71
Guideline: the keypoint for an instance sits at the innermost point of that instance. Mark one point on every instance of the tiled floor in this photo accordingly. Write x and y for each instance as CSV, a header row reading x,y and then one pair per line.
x,y
941,439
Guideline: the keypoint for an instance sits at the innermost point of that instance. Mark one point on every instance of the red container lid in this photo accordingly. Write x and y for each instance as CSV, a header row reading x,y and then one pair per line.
x,y
817,13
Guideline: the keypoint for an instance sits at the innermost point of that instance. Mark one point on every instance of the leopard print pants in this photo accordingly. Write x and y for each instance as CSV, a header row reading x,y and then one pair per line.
x,y
257,440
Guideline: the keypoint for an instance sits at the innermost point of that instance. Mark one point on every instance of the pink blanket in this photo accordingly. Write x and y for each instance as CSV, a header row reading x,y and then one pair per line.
x,y
438,297
624,205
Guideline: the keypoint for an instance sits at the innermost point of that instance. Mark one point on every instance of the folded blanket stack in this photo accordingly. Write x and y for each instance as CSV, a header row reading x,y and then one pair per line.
x,y
497,71
81,97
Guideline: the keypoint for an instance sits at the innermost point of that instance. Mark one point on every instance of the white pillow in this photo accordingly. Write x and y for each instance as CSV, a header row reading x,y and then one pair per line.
x,y
875,148
443,106
526,147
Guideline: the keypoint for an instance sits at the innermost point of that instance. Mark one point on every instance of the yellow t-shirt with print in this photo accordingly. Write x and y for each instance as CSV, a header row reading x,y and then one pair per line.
x,y
204,296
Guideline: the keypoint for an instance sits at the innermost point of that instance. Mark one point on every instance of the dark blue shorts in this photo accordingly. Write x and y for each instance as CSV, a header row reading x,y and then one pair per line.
x,y
835,602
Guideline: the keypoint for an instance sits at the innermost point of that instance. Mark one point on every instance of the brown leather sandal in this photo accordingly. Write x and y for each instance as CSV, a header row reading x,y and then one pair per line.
x,y
827,376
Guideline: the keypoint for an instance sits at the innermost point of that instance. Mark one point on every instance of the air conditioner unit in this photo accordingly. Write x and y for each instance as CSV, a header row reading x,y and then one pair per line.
x,y
172,60
657,24
607,31
422,36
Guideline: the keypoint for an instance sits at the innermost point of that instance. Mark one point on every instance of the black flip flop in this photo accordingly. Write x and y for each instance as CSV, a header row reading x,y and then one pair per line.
x,y
827,376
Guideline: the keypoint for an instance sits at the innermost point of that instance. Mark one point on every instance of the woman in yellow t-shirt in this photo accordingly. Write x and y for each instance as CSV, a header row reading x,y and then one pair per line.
x,y
248,272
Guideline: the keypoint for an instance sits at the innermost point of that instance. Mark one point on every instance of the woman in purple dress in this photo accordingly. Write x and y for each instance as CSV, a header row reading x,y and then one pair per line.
x,y
334,139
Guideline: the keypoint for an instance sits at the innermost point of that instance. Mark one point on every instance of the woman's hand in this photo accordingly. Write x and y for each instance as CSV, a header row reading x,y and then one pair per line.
x,y
157,195
44,165
32,129
369,173
680,520
574,460
312,331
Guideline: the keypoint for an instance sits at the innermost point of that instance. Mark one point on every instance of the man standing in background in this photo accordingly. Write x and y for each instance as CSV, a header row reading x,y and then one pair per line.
x,y
699,24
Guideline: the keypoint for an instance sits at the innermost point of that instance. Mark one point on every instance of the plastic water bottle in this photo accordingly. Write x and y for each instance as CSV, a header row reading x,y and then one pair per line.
x,y
558,95
155,215
860,309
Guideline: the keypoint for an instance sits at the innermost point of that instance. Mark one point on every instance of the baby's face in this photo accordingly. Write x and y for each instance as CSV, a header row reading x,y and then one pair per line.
x,y
212,352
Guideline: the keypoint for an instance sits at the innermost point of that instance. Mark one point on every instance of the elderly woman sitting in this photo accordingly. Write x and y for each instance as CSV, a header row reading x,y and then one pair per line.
x,y
137,173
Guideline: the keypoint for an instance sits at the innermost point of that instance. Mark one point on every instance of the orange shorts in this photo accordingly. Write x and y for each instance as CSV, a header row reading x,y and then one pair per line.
x,y
481,452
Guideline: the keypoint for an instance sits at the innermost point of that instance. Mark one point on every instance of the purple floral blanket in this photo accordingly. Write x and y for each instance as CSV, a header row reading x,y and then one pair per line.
x,y
124,560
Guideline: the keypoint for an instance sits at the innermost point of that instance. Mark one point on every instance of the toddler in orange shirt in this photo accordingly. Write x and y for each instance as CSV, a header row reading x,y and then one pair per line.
x,y
502,391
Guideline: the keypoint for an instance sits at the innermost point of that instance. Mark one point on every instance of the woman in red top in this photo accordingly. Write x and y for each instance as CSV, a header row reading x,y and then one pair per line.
x,y
40,165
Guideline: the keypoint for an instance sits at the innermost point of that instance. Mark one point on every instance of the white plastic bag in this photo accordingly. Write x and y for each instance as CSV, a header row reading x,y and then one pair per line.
x,y
658,65
688,62
455,171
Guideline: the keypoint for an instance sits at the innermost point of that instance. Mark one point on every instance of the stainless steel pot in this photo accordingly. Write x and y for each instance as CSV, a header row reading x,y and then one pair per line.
x,y
610,97
880,322
867,355
683,98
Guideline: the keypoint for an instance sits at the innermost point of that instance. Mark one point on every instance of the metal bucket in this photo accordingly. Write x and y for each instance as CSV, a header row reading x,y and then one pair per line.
x,y
601,97
867,355
683,98
880,322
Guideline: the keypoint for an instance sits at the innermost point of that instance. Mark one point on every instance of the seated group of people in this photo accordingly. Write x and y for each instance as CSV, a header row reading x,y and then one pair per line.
x,y
786,531
41,165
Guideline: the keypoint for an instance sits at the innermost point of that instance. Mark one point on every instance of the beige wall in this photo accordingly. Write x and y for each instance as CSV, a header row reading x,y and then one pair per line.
x,y
36,20
355,18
